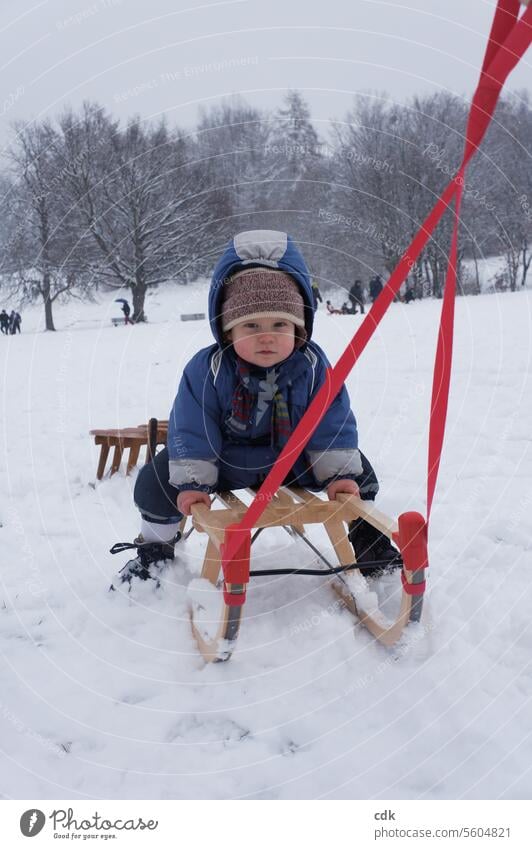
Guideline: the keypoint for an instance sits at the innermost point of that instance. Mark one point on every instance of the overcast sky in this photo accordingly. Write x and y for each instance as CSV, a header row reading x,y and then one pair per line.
x,y
168,56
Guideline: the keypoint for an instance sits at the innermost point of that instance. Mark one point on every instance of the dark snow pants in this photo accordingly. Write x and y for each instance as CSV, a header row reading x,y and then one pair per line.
x,y
156,498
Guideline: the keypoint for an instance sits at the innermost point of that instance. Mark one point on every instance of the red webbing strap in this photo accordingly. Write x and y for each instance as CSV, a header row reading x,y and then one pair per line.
x,y
517,40
503,21
499,60
442,366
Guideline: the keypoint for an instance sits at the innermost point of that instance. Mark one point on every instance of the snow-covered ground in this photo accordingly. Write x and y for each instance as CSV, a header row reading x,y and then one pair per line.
x,y
489,269
106,696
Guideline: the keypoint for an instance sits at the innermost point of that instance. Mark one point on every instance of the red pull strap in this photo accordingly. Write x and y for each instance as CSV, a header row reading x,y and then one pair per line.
x,y
509,40
507,43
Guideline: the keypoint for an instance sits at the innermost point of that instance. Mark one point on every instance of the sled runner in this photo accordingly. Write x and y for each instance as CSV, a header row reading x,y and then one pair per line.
x,y
293,509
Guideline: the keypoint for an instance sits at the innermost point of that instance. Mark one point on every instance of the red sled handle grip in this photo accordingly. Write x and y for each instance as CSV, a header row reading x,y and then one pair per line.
x,y
235,566
412,541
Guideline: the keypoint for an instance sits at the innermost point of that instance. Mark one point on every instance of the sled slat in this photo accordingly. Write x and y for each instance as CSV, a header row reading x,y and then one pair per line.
x,y
273,516
202,521
212,563
337,533
303,496
284,498
357,508
231,501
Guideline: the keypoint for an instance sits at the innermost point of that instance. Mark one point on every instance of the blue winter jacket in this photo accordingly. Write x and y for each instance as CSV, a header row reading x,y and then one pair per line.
x,y
205,451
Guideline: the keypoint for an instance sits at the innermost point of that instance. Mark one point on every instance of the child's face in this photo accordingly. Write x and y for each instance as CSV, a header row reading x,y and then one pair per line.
x,y
263,341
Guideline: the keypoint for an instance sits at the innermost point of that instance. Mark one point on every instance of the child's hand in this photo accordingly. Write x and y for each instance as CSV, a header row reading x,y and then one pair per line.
x,y
347,486
188,497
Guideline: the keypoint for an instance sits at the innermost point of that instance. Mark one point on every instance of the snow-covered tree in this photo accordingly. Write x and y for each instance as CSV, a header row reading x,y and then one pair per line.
x,y
41,249
140,195
509,151
293,144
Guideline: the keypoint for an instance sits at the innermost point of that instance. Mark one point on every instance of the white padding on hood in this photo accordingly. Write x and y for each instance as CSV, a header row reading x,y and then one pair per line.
x,y
265,246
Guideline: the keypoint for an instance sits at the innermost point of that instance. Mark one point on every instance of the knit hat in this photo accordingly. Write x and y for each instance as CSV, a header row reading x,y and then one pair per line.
x,y
255,292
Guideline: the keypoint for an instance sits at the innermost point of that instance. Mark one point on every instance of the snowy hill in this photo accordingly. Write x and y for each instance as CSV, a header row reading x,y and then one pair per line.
x,y
106,695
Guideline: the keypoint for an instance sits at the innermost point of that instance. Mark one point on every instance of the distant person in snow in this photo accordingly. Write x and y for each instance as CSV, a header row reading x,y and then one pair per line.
x,y
356,296
4,322
126,309
375,288
14,322
240,399
316,294
332,310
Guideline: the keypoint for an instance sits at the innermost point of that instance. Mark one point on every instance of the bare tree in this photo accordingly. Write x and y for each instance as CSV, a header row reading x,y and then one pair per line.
x,y
232,139
88,200
509,148
293,143
140,195
302,183
40,243
266,170
393,161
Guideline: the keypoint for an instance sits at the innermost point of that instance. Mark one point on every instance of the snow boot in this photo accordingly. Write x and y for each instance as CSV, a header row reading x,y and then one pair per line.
x,y
145,566
373,549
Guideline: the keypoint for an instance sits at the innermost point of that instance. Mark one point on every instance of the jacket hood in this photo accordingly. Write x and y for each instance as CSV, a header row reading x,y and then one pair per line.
x,y
269,248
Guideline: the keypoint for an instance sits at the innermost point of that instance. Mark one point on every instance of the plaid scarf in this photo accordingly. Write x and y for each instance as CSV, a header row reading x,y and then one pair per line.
x,y
245,400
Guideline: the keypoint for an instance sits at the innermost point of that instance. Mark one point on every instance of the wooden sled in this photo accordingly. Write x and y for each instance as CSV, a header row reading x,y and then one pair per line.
x,y
133,438
293,509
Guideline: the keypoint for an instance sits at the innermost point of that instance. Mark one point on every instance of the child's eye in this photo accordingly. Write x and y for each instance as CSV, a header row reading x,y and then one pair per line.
x,y
281,324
